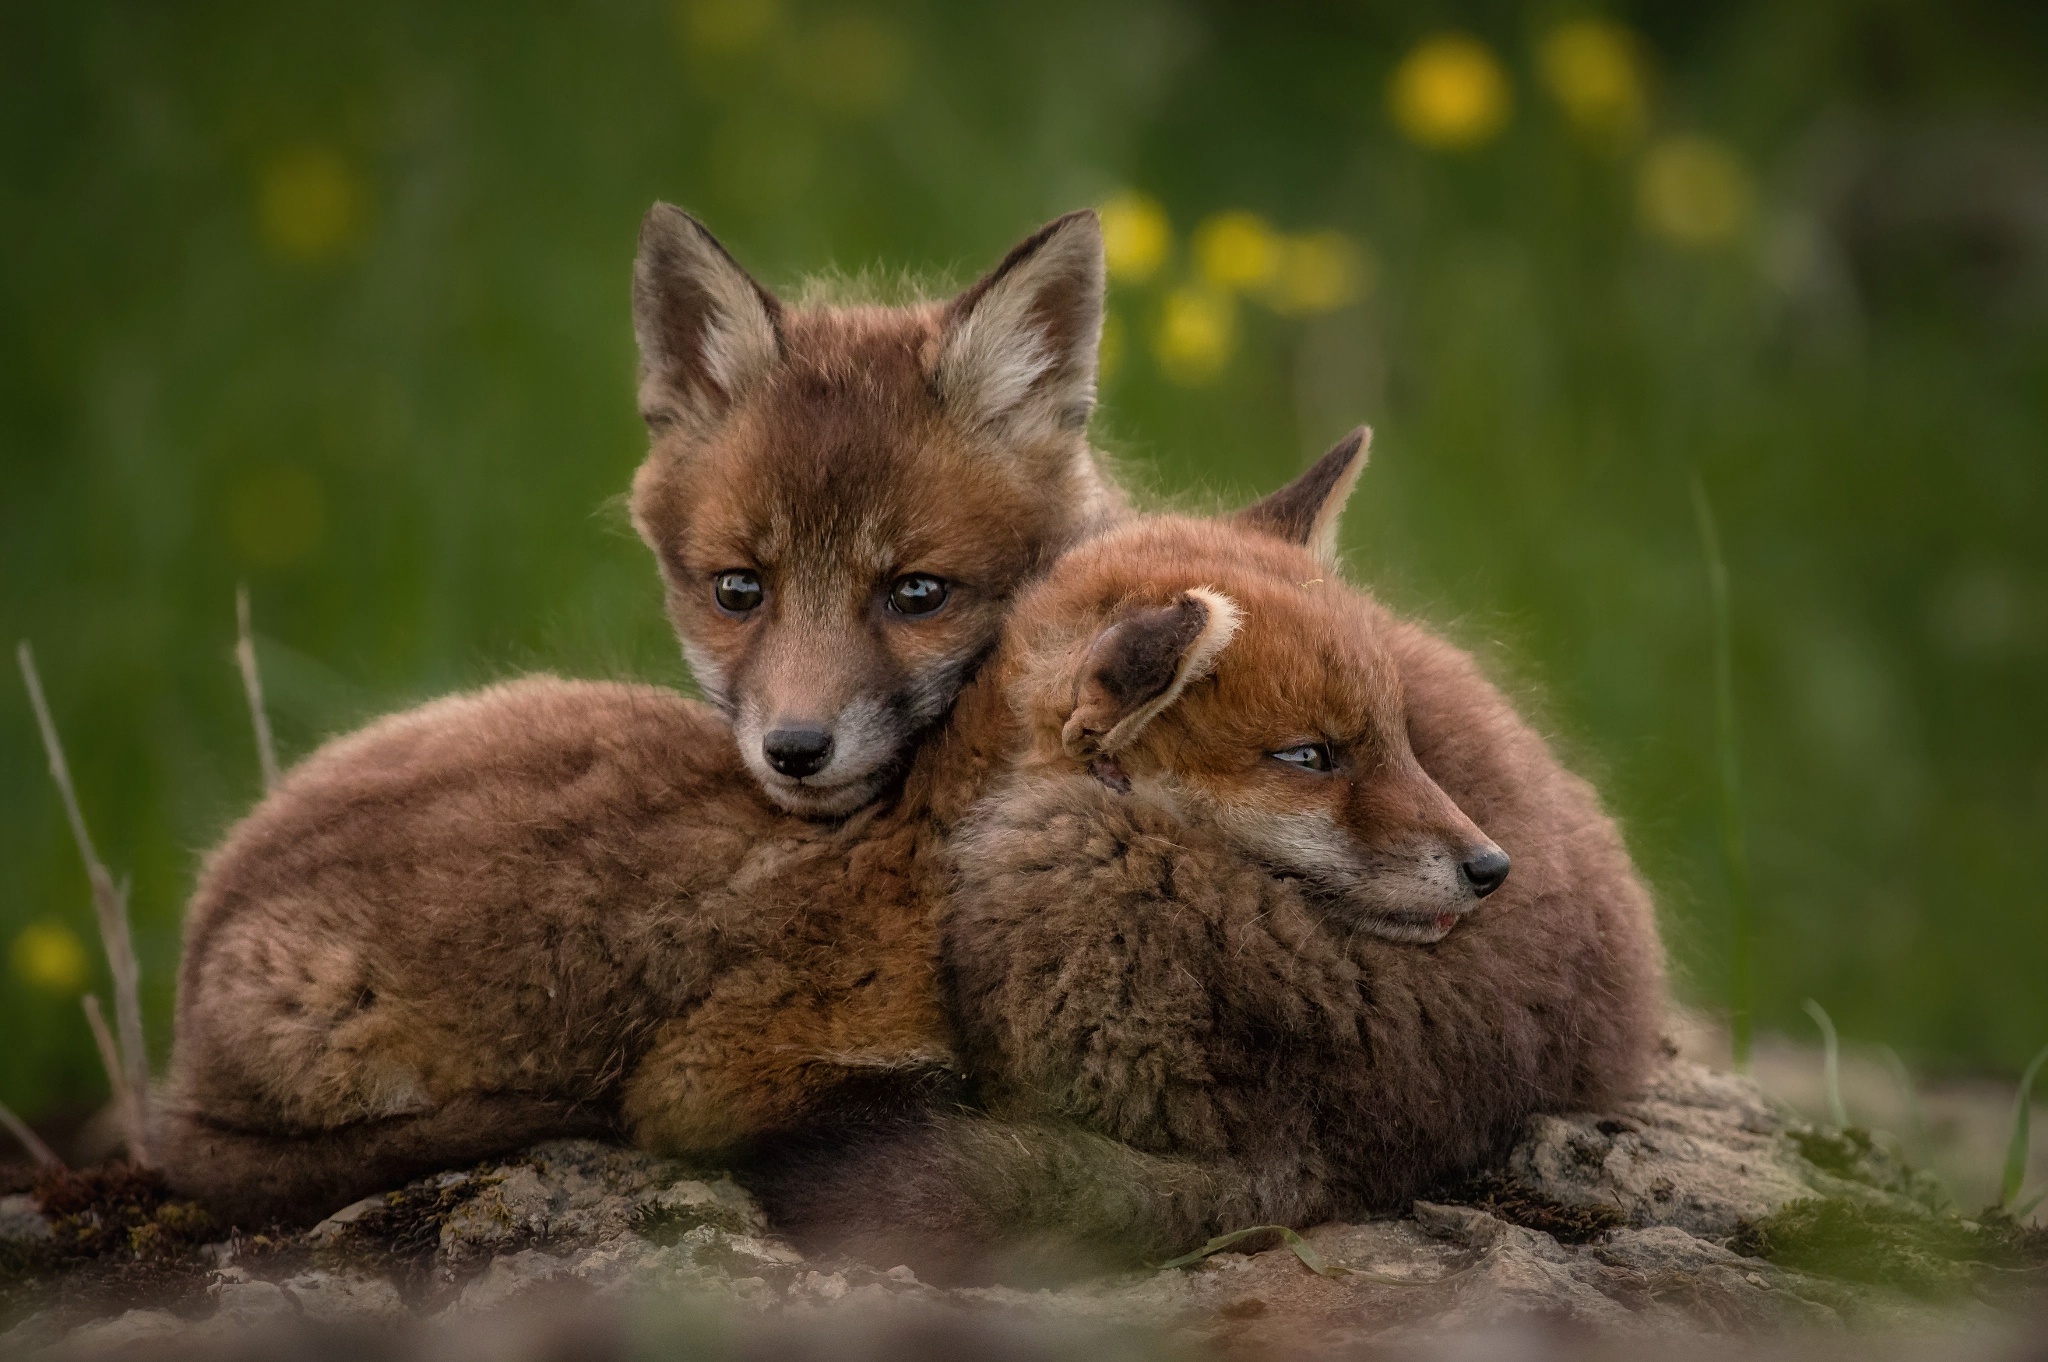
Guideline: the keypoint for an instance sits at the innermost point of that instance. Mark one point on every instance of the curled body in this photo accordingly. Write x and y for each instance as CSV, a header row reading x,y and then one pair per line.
x,y
544,908
1207,981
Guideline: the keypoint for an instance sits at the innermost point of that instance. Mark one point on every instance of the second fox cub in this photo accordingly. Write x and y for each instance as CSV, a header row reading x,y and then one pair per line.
x,y
1236,952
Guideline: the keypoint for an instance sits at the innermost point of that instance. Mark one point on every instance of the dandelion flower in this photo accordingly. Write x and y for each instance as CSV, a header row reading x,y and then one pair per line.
x,y
1320,272
1197,332
1594,70
47,955
1450,93
1237,251
1136,236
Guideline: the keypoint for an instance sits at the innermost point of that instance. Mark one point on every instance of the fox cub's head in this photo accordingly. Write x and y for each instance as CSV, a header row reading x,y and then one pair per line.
x,y
844,500
1221,670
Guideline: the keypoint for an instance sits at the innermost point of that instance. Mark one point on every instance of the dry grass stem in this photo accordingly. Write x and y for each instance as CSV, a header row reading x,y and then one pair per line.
x,y
30,1141
125,1103
111,903
252,686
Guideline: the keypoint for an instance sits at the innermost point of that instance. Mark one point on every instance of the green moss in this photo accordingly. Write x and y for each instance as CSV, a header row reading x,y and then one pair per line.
x,y
1924,1255
667,1224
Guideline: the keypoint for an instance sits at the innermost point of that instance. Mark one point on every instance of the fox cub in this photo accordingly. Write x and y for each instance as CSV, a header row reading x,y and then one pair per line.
x,y
844,500
1227,945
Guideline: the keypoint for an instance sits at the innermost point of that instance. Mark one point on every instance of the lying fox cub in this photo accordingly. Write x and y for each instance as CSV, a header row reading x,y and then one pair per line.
x,y
552,907
1227,949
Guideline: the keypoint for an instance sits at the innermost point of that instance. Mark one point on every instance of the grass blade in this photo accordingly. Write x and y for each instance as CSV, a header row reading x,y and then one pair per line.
x,y
125,1104
252,687
109,901
30,1141
1831,1064
1734,847
2016,1149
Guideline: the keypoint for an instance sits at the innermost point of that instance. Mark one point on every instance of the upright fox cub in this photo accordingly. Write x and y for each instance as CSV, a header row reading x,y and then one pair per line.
x,y
844,500
551,907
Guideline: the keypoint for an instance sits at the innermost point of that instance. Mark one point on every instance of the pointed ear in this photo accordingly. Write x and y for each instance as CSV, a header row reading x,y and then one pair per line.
x,y
706,329
1017,351
1306,510
1140,665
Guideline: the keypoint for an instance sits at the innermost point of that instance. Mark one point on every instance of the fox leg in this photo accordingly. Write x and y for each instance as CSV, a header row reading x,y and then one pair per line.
x,y
751,1062
255,1178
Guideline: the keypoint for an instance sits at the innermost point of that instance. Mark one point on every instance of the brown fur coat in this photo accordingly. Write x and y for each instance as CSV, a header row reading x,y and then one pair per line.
x,y
1174,1042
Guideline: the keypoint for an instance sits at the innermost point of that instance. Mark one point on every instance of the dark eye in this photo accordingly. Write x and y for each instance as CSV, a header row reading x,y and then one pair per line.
x,y
737,591
918,593
1310,756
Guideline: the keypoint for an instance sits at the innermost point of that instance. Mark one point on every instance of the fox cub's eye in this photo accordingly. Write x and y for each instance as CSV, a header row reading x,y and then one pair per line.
x,y
919,593
1310,756
738,592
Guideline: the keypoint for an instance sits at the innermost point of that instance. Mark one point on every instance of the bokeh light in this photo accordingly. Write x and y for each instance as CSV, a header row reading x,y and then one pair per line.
x,y
727,27
50,957
1450,93
1319,272
1196,335
310,206
1136,236
1694,191
1594,69
1237,250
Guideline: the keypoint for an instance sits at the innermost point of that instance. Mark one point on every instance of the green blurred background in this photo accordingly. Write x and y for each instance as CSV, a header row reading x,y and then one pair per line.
x,y
331,299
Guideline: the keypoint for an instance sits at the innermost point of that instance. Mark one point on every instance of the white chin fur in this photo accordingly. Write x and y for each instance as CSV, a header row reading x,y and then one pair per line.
x,y
865,750
1407,931
815,801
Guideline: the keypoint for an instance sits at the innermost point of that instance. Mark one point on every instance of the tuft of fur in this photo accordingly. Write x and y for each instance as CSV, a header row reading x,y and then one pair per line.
x,y
831,449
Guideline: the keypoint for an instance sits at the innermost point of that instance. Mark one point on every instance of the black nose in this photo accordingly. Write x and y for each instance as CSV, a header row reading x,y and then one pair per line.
x,y
1485,871
797,751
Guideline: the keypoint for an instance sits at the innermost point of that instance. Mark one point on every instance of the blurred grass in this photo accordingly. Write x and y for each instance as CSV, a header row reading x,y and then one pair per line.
x,y
332,299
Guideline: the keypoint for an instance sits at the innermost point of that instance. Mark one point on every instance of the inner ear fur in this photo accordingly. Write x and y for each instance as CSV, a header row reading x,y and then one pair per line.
x,y
1017,350
1140,665
707,329
1307,510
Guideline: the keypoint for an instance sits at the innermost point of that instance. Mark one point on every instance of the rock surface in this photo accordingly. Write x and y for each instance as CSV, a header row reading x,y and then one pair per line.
x,y
1628,1223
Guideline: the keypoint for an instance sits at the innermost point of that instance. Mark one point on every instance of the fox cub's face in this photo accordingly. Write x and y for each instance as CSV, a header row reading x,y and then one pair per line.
x,y
1227,674
844,501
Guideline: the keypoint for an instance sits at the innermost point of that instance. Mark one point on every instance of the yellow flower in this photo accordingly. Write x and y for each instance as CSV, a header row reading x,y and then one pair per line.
x,y
1320,272
310,207
727,27
1450,93
48,956
1197,331
1237,251
1594,69
1694,191
1135,236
